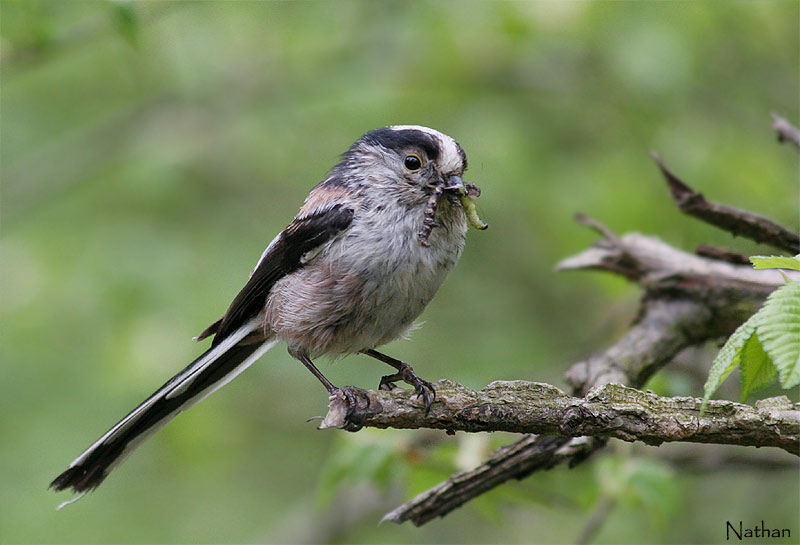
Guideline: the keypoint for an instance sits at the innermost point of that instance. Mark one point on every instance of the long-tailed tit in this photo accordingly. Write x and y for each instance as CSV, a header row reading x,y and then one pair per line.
x,y
366,253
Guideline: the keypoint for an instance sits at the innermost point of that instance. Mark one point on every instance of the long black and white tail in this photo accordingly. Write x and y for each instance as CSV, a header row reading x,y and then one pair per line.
x,y
212,370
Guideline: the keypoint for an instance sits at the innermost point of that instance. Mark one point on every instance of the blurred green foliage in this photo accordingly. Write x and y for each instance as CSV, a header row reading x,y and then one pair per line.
x,y
150,150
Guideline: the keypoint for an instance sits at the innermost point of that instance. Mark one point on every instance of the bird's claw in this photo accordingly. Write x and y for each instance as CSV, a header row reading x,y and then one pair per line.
x,y
351,394
423,388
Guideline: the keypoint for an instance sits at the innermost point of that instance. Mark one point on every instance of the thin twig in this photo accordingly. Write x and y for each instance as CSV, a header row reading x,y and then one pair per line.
x,y
722,254
733,220
598,227
786,131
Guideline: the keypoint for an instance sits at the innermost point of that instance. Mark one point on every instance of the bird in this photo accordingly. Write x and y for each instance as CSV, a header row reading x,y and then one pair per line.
x,y
369,248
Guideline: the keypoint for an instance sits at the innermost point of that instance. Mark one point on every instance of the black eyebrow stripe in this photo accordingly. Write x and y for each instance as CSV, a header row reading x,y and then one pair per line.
x,y
399,140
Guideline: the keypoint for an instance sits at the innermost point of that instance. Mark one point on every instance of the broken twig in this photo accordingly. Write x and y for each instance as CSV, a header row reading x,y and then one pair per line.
x,y
733,220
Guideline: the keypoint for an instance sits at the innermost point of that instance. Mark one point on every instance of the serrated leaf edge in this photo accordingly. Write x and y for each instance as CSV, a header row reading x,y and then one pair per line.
x,y
727,359
775,262
778,329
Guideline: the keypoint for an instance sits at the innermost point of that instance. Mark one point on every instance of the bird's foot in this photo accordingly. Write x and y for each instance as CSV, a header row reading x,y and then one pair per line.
x,y
423,388
345,402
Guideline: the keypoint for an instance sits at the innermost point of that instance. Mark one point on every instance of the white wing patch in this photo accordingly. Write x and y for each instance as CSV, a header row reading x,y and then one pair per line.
x,y
263,255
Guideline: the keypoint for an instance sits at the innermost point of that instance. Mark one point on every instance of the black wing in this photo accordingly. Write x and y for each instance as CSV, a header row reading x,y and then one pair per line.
x,y
302,235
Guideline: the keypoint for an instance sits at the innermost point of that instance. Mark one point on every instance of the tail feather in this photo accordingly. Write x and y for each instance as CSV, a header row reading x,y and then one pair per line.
x,y
212,370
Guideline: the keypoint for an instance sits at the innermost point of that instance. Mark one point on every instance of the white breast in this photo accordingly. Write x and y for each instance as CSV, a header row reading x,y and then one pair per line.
x,y
368,285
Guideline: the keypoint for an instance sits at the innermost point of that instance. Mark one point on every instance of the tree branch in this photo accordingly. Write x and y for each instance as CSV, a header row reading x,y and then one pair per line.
x,y
610,410
688,299
733,220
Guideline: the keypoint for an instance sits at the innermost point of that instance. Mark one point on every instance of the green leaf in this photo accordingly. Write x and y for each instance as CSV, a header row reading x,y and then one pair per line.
x,y
776,262
778,330
728,358
756,366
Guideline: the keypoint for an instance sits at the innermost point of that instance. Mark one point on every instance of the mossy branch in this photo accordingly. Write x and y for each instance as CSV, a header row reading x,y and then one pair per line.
x,y
610,410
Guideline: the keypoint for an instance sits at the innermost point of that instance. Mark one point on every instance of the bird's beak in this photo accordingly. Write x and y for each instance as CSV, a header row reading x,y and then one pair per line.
x,y
466,195
457,184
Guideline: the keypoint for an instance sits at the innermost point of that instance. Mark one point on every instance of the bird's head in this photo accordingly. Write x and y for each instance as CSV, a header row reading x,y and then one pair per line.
x,y
409,161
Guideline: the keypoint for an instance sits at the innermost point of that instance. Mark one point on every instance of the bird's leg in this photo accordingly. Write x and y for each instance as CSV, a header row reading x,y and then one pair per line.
x,y
317,373
423,388
348,391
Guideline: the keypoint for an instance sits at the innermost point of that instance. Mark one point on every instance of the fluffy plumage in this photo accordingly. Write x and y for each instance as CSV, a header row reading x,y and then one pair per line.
x,y
347,275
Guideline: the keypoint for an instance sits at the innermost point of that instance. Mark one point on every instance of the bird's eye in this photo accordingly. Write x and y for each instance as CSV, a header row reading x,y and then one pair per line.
x,y
413,162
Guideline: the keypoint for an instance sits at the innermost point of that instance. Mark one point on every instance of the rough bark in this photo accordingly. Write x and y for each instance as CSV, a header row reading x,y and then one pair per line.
x,y
609,410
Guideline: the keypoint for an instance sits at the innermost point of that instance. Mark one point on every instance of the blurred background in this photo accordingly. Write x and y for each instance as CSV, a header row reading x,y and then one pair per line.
x,y
151,150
